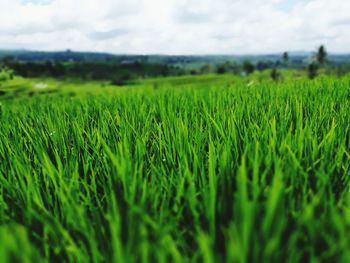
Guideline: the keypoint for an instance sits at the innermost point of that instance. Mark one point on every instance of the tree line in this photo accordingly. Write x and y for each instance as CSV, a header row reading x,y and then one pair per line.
x,y
122,72
118,72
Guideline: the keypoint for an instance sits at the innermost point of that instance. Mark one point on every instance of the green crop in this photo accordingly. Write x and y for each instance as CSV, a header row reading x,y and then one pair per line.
x,y
235,172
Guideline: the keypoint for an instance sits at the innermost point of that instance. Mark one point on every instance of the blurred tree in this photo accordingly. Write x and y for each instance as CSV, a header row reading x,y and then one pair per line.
x,y
205,69
312,70
275,75
261,65
221,69
8,59
321,55
248,67
122,79
285,57
193,72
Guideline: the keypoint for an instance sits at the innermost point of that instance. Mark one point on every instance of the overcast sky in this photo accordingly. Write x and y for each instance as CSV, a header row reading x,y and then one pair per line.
x,y
175,26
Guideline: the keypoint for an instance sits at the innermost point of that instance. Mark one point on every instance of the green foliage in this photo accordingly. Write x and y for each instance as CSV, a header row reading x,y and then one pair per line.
x,y
321,55
221,69
341,70
312,70
91,70
122,79
205,69
4,75
275,75
285,57
248,67
216,172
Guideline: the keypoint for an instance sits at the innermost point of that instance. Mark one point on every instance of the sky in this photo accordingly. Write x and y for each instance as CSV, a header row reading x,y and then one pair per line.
x,y
179,27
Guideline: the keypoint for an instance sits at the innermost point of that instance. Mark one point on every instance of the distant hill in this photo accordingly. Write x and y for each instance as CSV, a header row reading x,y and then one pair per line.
x,y
298,57
62,56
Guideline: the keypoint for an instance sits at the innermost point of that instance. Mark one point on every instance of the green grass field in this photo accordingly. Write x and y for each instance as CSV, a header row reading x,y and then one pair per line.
x,y
191,169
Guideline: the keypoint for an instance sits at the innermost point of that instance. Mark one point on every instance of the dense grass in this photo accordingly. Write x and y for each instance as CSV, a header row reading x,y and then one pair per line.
x,y
218,173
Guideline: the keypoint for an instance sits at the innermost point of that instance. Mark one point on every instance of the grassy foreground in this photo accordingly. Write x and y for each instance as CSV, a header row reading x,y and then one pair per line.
x,y
218,173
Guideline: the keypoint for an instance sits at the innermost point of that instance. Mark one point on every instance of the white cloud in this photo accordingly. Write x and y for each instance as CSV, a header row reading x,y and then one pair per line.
x,y
175,26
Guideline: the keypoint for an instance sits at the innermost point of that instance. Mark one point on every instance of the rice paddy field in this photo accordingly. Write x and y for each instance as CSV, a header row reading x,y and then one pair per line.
x,y
189,169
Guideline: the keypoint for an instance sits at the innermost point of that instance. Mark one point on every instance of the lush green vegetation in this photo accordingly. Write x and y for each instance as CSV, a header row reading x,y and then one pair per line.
x,y
119,72
126,69
187,169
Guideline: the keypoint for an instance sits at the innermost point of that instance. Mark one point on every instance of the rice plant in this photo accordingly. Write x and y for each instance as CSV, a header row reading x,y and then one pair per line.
x,y
215,172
